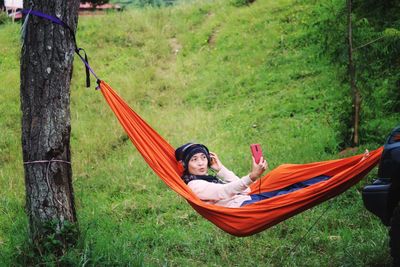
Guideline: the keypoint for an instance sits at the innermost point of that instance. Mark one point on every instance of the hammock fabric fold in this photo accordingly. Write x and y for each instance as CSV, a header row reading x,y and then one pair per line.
x,y
258,216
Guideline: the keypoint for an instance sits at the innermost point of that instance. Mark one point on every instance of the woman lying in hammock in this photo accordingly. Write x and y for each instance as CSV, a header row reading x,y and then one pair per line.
x,y
225,189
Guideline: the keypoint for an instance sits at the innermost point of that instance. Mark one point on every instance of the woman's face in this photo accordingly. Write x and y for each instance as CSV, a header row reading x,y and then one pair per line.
x,y
198,164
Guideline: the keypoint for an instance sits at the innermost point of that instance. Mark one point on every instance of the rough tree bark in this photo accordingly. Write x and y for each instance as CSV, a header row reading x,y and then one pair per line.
x,y
352,73
46,69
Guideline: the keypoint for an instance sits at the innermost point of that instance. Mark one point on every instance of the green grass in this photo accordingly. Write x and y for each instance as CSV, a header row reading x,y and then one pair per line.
x,y
207,72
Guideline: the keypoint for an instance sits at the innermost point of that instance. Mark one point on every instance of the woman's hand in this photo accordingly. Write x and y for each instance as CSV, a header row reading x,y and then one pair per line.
x,y
258,169
215,164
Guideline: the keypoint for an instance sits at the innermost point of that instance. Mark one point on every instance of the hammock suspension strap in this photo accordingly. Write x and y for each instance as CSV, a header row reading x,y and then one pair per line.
x,y
77,49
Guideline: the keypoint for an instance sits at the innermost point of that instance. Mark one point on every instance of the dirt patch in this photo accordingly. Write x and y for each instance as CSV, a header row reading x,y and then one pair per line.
x,y
213,37
175,46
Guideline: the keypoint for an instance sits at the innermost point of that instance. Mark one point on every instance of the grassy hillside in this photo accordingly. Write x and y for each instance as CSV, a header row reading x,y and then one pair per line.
x,y
207,72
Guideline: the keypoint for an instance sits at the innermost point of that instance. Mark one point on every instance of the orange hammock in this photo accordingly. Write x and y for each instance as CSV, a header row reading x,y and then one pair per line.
x,y
258,216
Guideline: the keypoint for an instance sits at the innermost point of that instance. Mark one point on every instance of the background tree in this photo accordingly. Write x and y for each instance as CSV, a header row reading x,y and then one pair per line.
x,y
356,96
46,68
375,52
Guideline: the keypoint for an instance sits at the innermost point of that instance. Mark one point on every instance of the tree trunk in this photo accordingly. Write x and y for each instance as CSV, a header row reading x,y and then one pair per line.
x,y
352,73
46,69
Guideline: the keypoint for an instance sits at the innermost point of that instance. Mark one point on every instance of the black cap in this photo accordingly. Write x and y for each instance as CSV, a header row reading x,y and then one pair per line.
x,y
185,153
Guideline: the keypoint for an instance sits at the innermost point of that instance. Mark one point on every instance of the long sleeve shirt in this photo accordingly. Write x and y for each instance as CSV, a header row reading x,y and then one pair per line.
x,y
231,194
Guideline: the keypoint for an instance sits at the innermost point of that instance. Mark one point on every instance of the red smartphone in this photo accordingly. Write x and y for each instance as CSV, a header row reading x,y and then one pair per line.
x,y
256,151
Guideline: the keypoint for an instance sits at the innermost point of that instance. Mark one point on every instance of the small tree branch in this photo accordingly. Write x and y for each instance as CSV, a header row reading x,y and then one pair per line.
x,y
370,42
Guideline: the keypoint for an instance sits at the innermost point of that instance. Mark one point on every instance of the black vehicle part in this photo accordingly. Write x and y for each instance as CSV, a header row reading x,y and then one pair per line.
x,y
394,234
383,195
389,165
376,199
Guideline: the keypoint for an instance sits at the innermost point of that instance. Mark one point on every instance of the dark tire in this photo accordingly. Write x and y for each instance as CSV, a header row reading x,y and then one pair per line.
x,y
394,234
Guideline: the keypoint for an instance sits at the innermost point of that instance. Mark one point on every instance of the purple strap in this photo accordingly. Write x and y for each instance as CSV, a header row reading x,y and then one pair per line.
x,y
77,50
45,16
88,68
